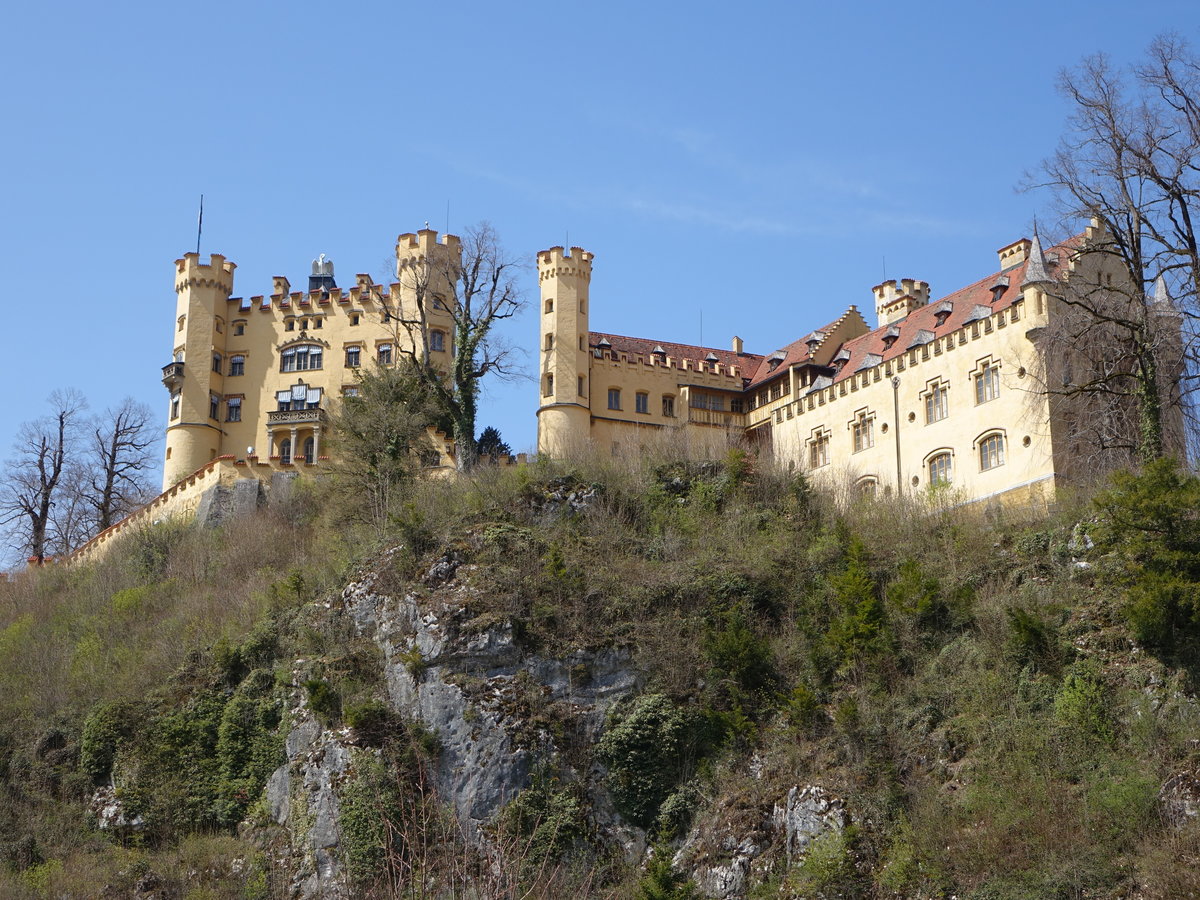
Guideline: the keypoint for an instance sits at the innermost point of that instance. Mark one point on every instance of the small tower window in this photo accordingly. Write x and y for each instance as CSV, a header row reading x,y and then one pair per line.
x,y
174,406
548,386
180,322
582,392
549,341
437,341
549,306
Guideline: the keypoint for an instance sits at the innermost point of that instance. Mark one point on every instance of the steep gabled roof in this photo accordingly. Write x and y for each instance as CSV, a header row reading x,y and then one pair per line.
x,y
619,343
813,348
988,295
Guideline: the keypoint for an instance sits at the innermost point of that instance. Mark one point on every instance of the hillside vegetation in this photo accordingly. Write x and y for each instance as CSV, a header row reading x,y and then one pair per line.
x,y
1005,708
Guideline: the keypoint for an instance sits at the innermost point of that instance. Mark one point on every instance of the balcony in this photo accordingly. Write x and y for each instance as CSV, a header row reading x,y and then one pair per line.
x,y
297,417
172,376
699,416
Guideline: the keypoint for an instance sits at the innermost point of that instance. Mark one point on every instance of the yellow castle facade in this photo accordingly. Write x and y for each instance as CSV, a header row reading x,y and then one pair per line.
x,y
946,394
256,379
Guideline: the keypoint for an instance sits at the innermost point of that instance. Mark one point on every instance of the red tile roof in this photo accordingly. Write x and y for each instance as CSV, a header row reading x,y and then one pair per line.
x,y
794,353
963,303
747,362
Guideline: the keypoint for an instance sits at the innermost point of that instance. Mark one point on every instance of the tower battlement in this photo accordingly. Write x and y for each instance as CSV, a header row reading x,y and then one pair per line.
x,y
218,273
556,261
424,245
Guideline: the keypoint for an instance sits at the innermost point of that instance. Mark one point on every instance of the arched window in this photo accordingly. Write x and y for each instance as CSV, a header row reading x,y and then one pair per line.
x,y
867,487
285,450
991,452
941,469
309,446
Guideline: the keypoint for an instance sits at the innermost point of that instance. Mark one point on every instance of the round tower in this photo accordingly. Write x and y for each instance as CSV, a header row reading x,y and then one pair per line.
x,y
564,384
194,376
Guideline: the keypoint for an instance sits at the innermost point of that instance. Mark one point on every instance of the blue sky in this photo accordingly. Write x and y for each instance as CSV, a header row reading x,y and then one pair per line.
x,y
751,165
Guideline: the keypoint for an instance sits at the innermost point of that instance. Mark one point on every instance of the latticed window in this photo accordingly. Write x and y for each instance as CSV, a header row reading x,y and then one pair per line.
x,y
437,341
991,452
384,352
233,409
987,383
818,451
642,403
614,398
864,433
237,365
940,470
936,407
353,357
668,406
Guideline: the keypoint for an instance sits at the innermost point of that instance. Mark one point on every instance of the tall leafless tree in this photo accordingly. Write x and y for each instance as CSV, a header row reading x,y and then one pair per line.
x,y
1130,162
119,458
32,479
477,292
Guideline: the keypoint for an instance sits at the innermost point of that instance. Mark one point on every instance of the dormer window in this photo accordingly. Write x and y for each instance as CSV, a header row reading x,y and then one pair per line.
x,y
775,359
841,359
943,312
890,336
999,286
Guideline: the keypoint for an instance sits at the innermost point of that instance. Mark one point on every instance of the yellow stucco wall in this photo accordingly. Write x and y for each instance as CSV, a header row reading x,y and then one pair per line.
x,y
258,331
902,442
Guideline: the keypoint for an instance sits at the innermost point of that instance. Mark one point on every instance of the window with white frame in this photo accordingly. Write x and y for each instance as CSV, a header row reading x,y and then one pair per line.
x,y
437,341
614,398
384,353
233,409
991,452
818,450
941,469
175,406
987,382
237,365
863,429
936,403
641,402
353,357
301,358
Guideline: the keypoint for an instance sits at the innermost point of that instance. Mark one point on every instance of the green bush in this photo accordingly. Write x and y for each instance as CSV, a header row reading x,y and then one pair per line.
x,y
662,882
645,749
546,821
323,700
105,728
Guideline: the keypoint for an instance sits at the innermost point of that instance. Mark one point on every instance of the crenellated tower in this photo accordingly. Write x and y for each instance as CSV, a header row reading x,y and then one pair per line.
x,y
195,374
564,415
425,264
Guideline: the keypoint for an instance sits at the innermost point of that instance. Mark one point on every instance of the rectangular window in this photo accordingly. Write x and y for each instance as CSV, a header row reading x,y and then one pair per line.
x,y
217,363
214,406
549,306
641,402
777,390
350,392
354,319
174,406
581,391
318,323
237,365
668,406
384,353
987,383
935,404
239,329
549,341
736,405
437,341
353,357
548,385
289,325
233,409
614,398
818,451
864,433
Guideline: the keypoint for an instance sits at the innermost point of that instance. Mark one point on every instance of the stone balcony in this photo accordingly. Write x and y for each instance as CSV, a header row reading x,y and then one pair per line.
x,y
297,417
172,376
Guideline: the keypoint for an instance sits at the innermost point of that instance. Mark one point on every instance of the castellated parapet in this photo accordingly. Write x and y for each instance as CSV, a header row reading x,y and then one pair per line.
x,y
896,299
218,273
412,249
556,262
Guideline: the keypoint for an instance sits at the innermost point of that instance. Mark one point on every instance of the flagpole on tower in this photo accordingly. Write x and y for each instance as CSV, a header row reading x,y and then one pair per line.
x,y
199,224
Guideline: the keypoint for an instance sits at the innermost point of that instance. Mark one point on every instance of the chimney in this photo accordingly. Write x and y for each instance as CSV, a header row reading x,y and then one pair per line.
x,y
737,344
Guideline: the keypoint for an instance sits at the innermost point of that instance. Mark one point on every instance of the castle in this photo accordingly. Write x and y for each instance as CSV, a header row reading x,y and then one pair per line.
x,y
949,394
254,380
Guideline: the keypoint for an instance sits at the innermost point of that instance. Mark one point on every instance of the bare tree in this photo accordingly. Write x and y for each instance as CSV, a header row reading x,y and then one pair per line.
x,y
475,291
119,458
33,476
1130,162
